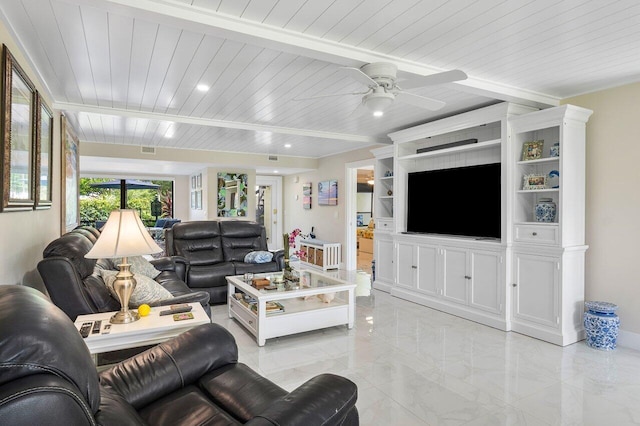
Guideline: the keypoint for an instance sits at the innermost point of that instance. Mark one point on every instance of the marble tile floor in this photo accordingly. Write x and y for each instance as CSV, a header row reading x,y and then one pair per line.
x,y
418,366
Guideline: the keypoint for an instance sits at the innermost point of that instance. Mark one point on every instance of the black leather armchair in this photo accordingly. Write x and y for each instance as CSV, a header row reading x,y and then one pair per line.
x,y
47,377
216,249
75,285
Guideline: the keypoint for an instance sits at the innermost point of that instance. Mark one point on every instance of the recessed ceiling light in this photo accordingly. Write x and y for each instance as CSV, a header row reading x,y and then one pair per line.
x,y
287,145
275,171
202,87
378,113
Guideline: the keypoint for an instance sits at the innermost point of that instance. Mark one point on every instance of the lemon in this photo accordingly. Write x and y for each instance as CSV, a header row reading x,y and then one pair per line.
x,y
143,310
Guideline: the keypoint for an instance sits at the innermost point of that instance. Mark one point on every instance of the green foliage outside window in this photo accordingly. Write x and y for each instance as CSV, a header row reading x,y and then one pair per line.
x,y
97,203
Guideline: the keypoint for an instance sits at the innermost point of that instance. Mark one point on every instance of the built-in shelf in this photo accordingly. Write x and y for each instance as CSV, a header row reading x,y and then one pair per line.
x,y
456,149
388,197
539,161
386,178
531,191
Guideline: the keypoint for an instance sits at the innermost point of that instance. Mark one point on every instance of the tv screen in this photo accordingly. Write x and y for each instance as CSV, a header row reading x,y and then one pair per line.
x,y
462,201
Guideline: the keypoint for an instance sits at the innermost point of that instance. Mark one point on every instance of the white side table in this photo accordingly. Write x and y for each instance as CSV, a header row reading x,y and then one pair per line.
x,y
148,330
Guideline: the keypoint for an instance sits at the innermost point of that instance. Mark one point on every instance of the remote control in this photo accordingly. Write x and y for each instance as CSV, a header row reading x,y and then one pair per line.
x,y
96,327
86,327
107,329
176,311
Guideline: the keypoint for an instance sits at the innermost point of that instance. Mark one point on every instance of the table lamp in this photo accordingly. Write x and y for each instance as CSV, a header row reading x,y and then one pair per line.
x,y
123,235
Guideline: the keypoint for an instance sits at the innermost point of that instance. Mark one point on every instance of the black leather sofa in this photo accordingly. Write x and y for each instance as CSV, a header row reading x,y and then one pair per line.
x,y
216,249
74,284
48,377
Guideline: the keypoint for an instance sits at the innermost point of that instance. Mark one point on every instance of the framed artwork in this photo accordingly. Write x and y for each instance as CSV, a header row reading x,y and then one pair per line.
x,y
70,177
306,189
44,157
306,203
533,182
532,150
328,193
18,112
193,182
193,199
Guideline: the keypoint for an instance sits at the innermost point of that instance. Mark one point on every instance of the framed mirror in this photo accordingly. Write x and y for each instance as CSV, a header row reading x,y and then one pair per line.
x,y
44,157
18,159
232,194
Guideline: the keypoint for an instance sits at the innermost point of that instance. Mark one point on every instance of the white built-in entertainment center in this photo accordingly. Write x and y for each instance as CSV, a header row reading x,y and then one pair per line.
x,y
530,279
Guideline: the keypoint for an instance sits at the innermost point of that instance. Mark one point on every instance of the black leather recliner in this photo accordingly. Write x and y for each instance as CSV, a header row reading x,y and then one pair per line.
x,y
47,377
75,285
216,249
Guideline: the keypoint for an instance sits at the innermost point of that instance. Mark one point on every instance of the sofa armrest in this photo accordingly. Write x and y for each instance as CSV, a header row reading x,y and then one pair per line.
x,y
42,398
171,365
326,399
278,257
164,264
178,264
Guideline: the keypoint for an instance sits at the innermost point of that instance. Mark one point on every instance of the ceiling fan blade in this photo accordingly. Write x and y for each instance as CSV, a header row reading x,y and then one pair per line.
x,y
329,96
420,101
358,75
430,80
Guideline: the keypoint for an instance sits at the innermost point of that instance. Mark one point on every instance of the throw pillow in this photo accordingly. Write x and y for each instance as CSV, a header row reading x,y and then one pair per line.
x,y
258,257
147,290
140,265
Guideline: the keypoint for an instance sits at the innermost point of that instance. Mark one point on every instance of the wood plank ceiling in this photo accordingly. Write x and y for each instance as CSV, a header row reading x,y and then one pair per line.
x,y
127,71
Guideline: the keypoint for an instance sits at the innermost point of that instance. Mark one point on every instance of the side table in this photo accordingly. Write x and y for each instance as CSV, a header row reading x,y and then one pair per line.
x,y
148,330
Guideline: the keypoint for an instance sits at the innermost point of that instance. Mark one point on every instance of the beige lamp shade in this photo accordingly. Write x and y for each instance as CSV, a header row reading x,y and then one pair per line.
x,y
123,235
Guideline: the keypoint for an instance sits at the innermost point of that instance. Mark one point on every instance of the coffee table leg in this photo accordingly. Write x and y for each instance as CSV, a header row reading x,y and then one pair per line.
x,y
262,319
352,308
230,290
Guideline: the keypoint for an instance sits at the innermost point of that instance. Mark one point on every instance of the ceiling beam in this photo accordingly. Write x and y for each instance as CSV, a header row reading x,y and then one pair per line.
x,y
210,122
181,15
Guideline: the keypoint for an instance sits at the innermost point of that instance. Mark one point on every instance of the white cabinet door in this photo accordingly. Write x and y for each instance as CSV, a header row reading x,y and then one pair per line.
x,y
536,289
485,270
384,259
428,269
455,279
406,265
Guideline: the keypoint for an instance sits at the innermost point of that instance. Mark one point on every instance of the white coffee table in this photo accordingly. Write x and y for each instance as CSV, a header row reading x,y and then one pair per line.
x,y
303,310
148,330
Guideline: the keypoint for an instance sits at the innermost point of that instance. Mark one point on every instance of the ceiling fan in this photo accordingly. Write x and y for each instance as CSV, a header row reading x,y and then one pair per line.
x,y
381,79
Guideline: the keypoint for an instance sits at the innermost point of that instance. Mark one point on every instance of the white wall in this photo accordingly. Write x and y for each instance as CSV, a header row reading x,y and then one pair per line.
x,y
329,221
23,235
613,203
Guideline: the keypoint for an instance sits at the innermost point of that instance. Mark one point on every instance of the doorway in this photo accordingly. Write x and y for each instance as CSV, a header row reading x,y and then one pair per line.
x,y
269,208
356,212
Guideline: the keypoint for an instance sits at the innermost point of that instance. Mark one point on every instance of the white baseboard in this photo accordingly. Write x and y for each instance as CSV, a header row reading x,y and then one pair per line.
x,y
629,340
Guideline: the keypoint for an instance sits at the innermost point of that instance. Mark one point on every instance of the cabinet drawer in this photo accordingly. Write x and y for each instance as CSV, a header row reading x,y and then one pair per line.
x,y
547,234
384,225
247,318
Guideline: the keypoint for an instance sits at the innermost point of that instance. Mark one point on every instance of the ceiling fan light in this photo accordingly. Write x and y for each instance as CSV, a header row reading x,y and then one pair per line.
x,y
378,101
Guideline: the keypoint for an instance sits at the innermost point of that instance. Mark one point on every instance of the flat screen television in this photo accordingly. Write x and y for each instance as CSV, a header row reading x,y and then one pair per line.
x,y
463,201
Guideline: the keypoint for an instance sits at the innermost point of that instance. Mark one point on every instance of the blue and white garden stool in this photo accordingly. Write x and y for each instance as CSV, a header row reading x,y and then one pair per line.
x,y
601,325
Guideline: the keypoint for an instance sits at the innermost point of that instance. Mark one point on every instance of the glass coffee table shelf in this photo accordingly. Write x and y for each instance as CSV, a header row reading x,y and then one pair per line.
x,y
303,309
